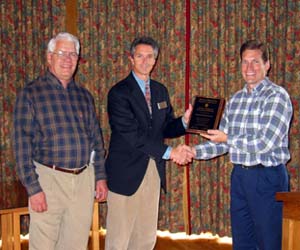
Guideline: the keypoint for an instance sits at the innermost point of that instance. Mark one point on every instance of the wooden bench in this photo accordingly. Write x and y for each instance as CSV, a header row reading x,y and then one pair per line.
x,y
10,227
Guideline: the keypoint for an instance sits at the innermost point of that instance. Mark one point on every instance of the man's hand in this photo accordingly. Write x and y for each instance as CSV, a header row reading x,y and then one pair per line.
x,y
182,154
187,114
38,202
101,190
215,135
194,152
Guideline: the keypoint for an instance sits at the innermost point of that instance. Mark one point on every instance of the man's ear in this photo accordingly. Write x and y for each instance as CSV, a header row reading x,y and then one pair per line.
x,y
131,60
268,65
49,57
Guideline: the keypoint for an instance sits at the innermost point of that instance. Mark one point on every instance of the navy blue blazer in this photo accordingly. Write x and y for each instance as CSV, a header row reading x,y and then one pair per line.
x,y
135,135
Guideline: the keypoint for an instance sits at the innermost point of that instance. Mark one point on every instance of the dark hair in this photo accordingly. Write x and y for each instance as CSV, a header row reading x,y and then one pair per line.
x,y
144,40
255,45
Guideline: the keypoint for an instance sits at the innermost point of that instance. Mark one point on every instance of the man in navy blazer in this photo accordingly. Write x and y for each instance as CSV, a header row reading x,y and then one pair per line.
x,y
135,164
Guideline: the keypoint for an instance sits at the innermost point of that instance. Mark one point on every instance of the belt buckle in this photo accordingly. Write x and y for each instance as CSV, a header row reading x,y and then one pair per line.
x,y
245,167
253,166
76,171
79,170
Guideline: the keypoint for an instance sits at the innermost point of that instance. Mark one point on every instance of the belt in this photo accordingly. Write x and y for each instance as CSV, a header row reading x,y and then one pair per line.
x,y
251,167
66,170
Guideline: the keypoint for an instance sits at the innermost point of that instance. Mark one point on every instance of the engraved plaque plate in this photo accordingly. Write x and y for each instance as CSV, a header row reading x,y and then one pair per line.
x,y
206,114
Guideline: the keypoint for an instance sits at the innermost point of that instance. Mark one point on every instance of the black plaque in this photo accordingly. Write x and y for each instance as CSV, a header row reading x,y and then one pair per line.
x,y
206,114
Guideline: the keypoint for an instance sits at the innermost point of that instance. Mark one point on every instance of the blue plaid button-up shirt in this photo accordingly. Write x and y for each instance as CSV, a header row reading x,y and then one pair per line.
x,y
55,126
257,125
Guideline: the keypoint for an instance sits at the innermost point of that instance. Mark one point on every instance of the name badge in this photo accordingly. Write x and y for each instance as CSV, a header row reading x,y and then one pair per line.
x,y
162,105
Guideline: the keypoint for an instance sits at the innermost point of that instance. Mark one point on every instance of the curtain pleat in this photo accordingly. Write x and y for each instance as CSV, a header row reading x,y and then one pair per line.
x,y
26,27
106,30
220,27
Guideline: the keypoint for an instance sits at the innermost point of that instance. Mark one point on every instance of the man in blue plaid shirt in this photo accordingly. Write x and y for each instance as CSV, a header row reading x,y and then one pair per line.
x,y
254,130
59,151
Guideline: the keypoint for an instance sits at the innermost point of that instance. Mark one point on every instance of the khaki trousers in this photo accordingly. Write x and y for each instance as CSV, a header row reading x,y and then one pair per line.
x,y
132,220
66,224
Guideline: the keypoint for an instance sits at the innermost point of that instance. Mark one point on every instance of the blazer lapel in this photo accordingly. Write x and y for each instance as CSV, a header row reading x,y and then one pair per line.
x,y
138,94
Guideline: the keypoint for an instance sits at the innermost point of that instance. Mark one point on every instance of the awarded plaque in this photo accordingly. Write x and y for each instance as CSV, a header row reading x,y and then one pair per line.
x,y
206,114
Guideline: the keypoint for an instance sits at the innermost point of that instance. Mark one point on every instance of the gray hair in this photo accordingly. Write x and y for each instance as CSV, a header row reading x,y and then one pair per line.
x,y
63,36
144,40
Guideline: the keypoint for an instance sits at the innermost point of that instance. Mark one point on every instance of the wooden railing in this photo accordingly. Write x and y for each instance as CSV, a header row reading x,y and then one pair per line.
x,y
10,227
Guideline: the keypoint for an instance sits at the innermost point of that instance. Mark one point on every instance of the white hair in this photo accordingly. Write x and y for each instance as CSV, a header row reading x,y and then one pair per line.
x,y
63,36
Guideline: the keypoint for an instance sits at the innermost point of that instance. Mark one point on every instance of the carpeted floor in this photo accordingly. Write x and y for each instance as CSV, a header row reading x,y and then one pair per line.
x,y
181,241
167,241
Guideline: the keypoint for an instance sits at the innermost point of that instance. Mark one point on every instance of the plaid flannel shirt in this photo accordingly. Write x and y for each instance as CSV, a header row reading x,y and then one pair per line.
x,y
257,126
55,126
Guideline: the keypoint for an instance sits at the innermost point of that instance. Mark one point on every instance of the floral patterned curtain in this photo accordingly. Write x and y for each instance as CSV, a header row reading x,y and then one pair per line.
x,y
26,27
218,30
106,29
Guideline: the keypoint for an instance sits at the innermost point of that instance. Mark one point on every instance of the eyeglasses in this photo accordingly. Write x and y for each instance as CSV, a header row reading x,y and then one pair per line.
x,y
65,54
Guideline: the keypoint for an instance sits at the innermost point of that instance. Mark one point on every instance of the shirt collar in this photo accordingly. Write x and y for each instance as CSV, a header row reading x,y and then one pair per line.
x,y
140,82
54,80
257,88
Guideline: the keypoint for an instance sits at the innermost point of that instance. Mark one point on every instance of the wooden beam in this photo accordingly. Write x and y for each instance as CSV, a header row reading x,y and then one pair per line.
x,y
71,16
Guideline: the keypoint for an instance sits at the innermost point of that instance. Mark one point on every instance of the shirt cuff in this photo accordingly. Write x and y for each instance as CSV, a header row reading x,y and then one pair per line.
x,y
167,154
183,123
229,140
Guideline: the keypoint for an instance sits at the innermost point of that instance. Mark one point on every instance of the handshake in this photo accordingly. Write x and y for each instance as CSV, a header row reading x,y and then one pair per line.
x,y
183,154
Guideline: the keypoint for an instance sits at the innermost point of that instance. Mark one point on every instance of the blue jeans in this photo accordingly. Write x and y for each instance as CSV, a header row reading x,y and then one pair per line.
x,y
256,216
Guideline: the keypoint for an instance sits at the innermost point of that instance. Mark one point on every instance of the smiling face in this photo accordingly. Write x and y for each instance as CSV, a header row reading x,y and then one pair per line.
x,y
63,66
254,69
143,61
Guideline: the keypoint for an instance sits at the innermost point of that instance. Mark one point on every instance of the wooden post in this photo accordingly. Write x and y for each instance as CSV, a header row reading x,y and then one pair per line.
x,y
291,219
71,16
7,230
95,227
